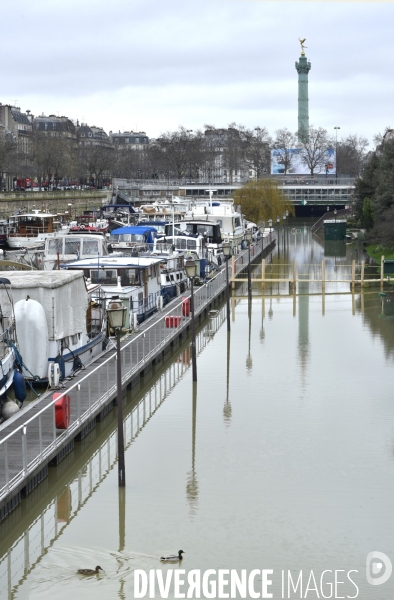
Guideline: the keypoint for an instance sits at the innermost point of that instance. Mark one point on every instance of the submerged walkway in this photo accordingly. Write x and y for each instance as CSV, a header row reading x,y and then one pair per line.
x,y
30,442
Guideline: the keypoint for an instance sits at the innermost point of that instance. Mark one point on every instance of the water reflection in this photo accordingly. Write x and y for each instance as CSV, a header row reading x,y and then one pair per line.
x,y
227,410
303,329
262,332
378,313
249,361
192,481
24,541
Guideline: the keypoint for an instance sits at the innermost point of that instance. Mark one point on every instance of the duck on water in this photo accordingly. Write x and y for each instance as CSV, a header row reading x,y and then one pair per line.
x,y
90,571
173,557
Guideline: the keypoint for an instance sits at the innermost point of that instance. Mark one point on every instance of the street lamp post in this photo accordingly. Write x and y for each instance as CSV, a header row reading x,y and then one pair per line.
x,y
336,153
190,266
227,254
116,312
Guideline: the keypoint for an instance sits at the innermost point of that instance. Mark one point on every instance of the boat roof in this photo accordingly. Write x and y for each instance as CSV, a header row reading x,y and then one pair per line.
x,y
132,229
192,221
36,215
41,279
74,236
107,262
151,223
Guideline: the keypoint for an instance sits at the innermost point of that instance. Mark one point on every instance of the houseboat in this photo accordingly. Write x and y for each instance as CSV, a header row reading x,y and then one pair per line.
x,y
68,248
133,239
60,321
89,223
136,280
28,230
8,350
3,233
226,214
187,243
210,231
173,277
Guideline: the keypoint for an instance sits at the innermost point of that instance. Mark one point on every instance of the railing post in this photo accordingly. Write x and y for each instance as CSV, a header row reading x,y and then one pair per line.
x,y
381,272
79,400
24,450
7,473
40,433
323,275
107,388
54,421
263,274
362,272
294,277
233,272
353,274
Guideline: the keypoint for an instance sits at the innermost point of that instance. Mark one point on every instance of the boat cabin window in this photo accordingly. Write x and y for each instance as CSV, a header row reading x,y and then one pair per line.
x,y
55,246
185,244
72,245
130,277
104,276
90,247
136,238
237,222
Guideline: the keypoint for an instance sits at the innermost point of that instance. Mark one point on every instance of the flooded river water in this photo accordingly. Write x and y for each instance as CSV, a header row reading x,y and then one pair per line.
x,y
280,458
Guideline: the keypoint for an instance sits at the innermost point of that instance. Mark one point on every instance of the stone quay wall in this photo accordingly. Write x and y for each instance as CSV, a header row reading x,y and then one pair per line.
x,y
53,202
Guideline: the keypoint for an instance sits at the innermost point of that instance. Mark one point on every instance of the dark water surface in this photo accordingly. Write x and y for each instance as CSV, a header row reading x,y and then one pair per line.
x,y
281,458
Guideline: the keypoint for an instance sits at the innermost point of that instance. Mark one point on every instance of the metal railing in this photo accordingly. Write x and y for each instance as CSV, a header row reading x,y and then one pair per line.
x,y
36,440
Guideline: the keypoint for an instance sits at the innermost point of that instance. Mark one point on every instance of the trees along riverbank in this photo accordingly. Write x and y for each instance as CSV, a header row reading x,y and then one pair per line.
x,y
374,206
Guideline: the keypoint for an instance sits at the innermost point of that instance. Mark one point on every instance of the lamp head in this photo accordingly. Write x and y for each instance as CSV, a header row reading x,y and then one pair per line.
x,y
227,249
190,266
116,312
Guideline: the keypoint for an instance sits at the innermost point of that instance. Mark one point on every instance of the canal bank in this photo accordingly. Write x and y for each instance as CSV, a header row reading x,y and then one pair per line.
x,y
30,442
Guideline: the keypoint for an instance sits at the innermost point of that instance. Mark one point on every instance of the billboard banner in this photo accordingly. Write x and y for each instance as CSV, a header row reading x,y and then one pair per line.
x,y
297,167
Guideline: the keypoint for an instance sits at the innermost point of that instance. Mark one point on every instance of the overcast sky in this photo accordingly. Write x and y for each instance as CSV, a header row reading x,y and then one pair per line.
x,y
150,65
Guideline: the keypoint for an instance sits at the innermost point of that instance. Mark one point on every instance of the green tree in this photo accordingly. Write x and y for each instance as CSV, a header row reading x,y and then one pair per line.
x,y
262,200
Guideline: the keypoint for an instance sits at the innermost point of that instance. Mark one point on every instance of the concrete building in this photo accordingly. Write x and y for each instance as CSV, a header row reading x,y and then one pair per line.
x,y
130,140
92,136
55,126
17,125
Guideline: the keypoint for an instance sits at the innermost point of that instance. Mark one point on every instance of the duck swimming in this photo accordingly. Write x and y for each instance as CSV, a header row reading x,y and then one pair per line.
x,y
90,571
173,557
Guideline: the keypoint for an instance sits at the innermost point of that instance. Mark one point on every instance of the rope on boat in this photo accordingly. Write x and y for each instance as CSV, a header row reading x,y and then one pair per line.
x,y
21,365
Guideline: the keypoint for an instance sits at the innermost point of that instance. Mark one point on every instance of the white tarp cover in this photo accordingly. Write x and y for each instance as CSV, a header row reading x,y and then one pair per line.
x,y
62,294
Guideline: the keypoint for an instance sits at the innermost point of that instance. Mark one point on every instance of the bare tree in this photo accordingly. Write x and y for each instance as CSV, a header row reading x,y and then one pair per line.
x,y
8,157
314,148
96,161
284,145
178,153
351,153
257,149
